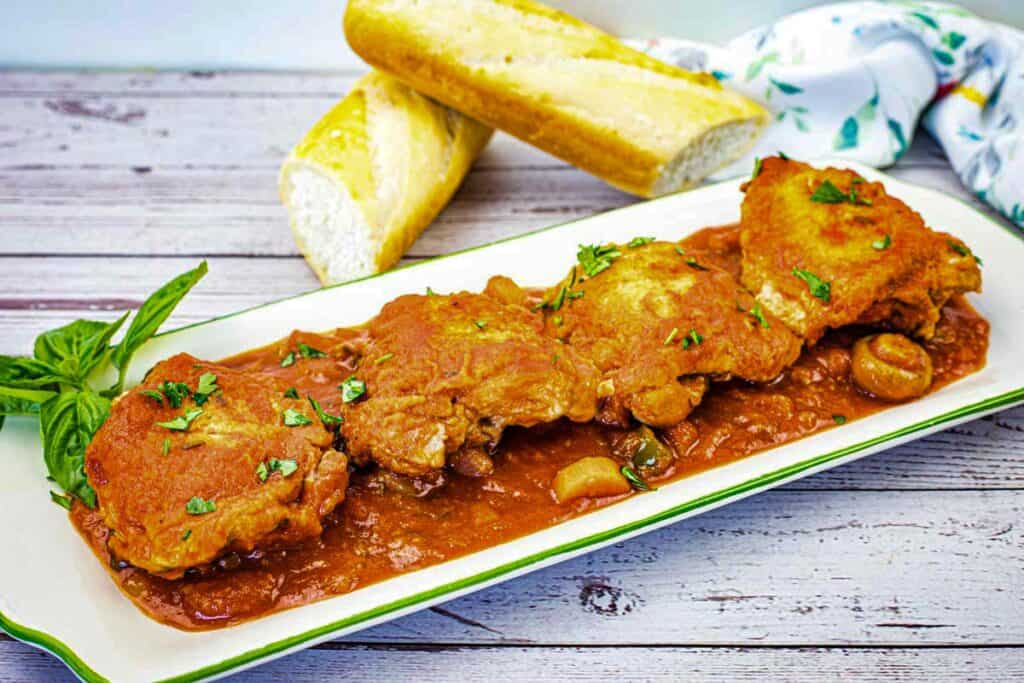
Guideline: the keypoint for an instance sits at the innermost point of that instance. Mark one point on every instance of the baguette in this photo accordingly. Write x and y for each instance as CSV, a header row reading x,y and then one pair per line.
x,y
372,174
560,84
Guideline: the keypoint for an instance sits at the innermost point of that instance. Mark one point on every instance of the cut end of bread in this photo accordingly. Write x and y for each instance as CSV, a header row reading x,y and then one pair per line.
x,y
711,151
330,227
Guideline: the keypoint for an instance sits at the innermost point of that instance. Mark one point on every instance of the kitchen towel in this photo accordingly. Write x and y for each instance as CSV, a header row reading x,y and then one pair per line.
x,y
852,80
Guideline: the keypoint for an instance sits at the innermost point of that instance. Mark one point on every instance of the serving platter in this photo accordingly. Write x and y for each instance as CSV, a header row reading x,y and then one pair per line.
x,y
56,596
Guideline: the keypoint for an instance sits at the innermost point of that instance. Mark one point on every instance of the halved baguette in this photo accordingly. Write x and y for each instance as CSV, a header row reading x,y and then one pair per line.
x,y
562,85
372,174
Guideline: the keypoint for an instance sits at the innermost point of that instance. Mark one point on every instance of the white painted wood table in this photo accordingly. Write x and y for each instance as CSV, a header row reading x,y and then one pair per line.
x,y
908,565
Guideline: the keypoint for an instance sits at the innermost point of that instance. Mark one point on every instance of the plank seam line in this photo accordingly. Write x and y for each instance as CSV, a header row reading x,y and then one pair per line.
x,y
510,644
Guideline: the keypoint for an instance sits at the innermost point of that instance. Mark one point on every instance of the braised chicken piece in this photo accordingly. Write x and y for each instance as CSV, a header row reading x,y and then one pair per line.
x,y
440,378
825,248
659,321
201,460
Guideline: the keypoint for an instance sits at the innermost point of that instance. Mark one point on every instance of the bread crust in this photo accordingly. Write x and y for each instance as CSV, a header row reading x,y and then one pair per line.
x,y
554,82
399,155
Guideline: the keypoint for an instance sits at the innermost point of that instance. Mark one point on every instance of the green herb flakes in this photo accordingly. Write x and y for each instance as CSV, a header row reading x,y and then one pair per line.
x,y
198,506
639,242
595,258
293,418
155,395
882,244
286,467
692,262
384,359
634,479
166,447
839,419
207,387
680,250
480,324
288,360
325,417
351,389
757,168
828,193
187,535
262,472
291,393
819,288
758,315
964,251
182,422
307,351
671,336
176,393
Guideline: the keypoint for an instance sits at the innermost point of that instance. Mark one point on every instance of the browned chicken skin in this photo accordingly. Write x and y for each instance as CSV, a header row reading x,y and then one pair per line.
x,y
446,374
233,477
861,257
658,321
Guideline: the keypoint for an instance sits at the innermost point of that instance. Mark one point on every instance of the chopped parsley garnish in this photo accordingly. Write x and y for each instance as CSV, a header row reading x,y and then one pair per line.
x,y
671,336
167,446
198,506
596,258
351,389
182,422
574,295
882,244
325,417
384,359
828,193
288,360
560,297
634,479
557,320
680,250
431,292
188,534
176,392
782,155
818,287
155,395
293,418
286,467
639,242
964,251
757,168
63,501
839,419
480,324
291,393
307,351
554,359
692,262
759,315
207,386
692,339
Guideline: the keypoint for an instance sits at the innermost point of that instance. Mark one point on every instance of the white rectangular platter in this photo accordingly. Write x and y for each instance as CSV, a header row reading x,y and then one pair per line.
x,y
54,594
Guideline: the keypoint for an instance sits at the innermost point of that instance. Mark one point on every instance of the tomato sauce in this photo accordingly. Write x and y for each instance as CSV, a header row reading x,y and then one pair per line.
x,y
388,526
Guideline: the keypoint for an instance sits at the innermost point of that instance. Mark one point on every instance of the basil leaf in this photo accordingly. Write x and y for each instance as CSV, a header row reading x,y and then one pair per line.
x,y
150,316
78,348
67,423
28,373
21,401
293,418
324,416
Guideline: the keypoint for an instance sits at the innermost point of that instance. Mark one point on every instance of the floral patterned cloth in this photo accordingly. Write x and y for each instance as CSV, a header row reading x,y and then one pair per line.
x,y
853,79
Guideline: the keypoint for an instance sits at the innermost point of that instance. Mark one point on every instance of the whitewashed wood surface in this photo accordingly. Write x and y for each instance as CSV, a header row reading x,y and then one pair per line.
x,y
908,565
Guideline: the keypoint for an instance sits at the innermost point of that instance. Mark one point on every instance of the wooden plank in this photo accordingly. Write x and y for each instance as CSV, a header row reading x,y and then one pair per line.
x,y
237,211
19,663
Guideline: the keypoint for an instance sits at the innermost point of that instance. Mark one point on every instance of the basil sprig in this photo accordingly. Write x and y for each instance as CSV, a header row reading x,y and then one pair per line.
x,y
54,383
